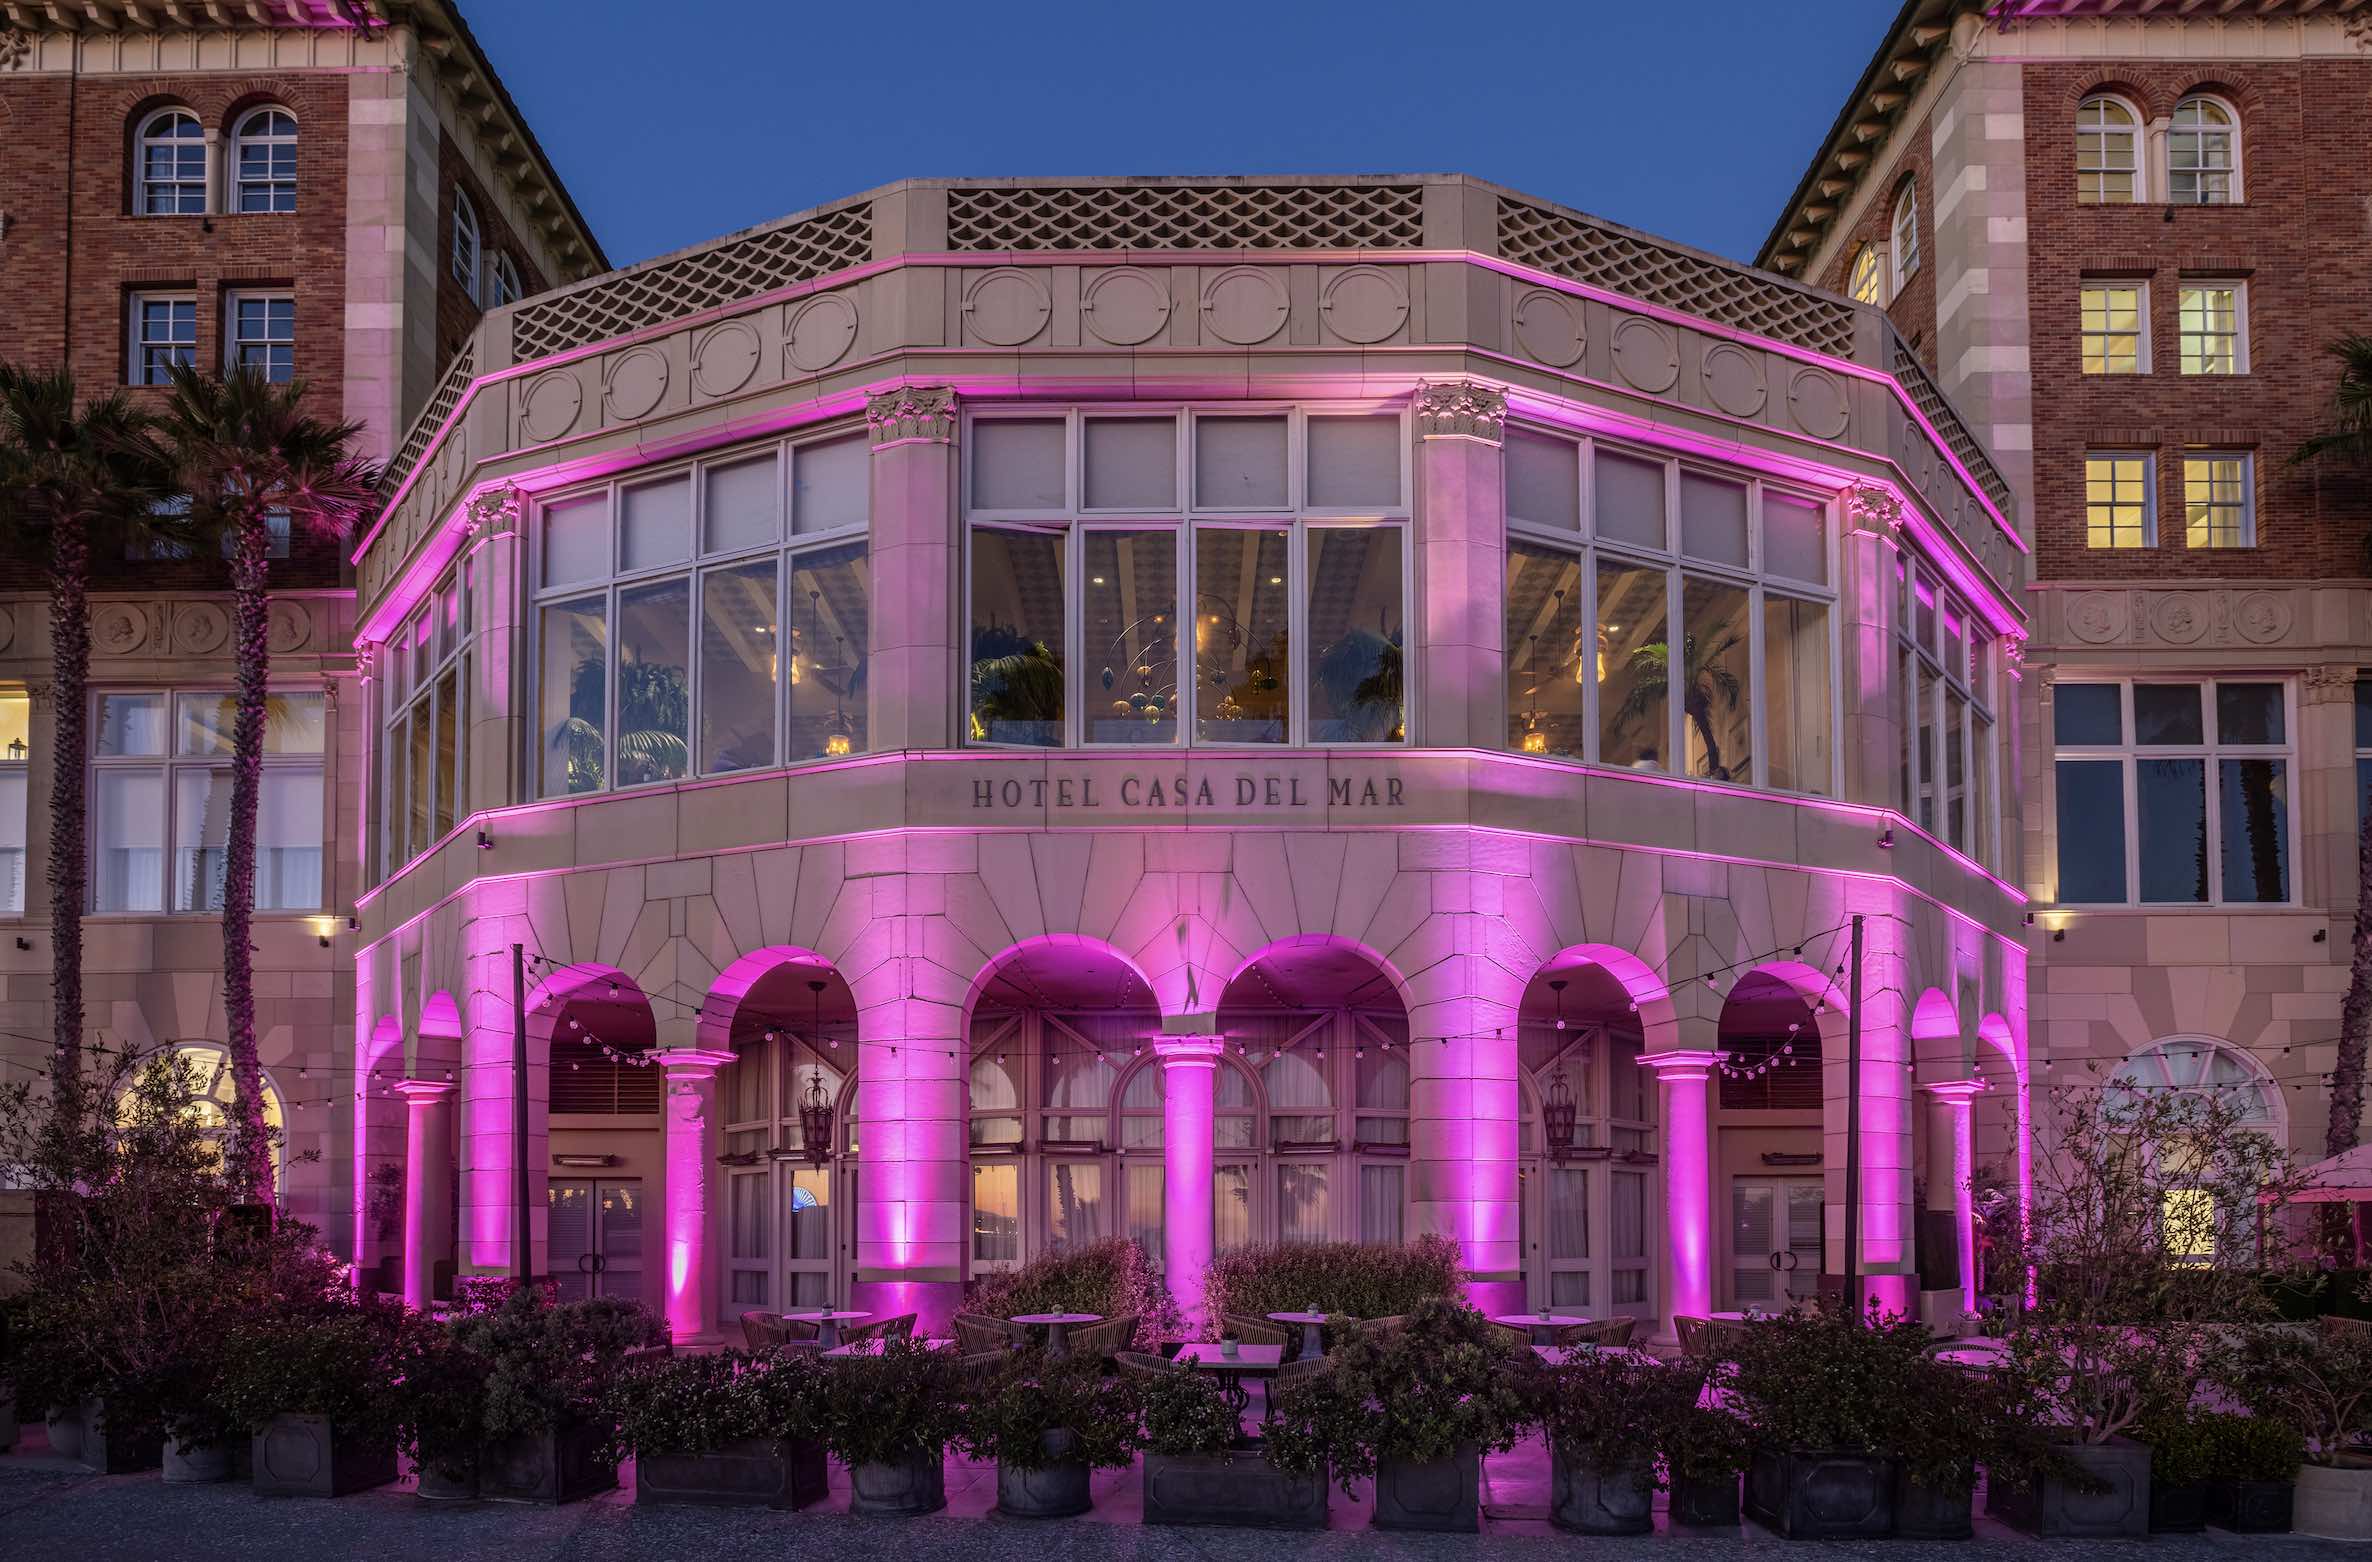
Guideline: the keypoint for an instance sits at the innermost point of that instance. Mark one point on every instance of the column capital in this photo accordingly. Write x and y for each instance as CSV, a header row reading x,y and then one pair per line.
x,y
2331,685
1461,409
911,414
422,1092
494,509
1682,1063
691,1062
1955,1090
1189,1051
1872,508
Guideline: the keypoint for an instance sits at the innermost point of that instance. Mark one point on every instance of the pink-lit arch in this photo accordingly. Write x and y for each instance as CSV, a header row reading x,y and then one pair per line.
x,y
1643,988
1058,947
713,1030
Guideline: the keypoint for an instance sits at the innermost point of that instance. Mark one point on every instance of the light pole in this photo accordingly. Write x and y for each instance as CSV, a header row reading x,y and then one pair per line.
x,y
1853,1131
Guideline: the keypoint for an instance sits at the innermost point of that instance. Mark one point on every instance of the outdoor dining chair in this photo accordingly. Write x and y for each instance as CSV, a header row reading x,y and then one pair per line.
x,y
1105,1338
1138,1364
978,1332
900,1327
1693,1341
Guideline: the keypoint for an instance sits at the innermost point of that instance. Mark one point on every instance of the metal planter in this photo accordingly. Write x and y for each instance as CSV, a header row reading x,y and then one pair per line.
x,y
1705,1503
2252,1507
1239,1487
756,1472
1591,1501
560,1464
1436,1494
1821,1495
309,1456
914,1486
2053,1508
2335,1500
1935,1512
196,1464
117,1449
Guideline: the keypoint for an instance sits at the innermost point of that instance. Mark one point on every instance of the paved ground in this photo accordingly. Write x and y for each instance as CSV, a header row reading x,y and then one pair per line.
x,y
50,1508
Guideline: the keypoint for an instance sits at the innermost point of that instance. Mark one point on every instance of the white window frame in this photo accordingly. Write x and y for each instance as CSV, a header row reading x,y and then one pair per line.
x,y
2245,512
2238,288
502,281
2211,753
1929,663
247,134
1865,279
138,363
2086,336
2200,135
438,638
19,767
1902,232
145,189
1590,549
468,255
2149,499
1297,517
2135,135
786,547
234,343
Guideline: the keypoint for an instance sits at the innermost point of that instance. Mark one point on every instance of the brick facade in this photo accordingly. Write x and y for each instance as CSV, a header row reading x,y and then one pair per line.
x,y
457,312
1913,310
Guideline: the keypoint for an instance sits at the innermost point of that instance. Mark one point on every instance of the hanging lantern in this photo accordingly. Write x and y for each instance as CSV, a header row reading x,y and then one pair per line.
x,y
815,1107
1557,1114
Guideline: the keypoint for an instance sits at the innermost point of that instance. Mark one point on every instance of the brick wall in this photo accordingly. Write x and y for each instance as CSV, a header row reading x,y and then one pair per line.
x,y
1913,309
2299,238
457,312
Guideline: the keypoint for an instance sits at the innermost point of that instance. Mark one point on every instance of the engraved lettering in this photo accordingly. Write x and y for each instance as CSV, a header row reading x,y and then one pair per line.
x,y
984,794
1338,793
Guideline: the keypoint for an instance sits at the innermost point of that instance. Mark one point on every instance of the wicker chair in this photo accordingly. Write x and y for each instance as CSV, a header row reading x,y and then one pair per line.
x,y
1259,1331
1694,1343
978,1332
1300,1371
1723,1337
1107,1338
2338,1328
1612,1331
981,1365
1137,1364
758,1331
1385,1328
900,1327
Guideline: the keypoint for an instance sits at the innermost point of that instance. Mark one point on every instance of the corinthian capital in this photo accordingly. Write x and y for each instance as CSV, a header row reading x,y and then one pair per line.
x,y
1461,409
911,412
1874,509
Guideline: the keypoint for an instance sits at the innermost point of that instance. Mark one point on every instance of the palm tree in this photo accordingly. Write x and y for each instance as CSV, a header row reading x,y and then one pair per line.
x,y
2350,439
245,450
72,477
1706,682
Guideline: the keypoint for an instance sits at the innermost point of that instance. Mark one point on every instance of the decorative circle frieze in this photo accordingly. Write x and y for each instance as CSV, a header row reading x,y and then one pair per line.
x,y
1645,355
548,409
636,382
1364,304
1818,402
1007,308
118,628
1734,379
289,628
2179,617
723,359
1244,305
199,629
2096,617
820,332
1124,308
2262,617
1549,329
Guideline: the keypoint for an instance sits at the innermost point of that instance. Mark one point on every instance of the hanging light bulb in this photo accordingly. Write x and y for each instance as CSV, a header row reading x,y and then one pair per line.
x,y
1557,986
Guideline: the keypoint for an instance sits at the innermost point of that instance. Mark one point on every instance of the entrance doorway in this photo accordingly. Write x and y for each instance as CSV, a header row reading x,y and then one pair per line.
x,y
596,1240
1775,1240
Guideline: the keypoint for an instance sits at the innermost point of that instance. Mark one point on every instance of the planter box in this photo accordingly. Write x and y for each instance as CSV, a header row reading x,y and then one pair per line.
x,y
196,1464
8,1432
437,1487
1590,1501
1924,1512
2178,1510
2335,1500
559,1465
756,1472
2252,1507
1439,1495
65,1432
118,1450
1240,1487
2050,1508
307,1456
1057,1492
1821,1495
917,1486
1706,1504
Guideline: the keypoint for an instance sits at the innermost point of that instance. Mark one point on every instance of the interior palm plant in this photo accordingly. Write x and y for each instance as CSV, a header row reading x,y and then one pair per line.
x,y
74,477
244,449
1707,687
1014,680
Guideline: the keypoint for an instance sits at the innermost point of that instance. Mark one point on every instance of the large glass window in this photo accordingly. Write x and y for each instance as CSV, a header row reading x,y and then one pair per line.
x,y
1595,588
2108,162
705,620
1950,672
2172,793
1093,537
2115,327
171,165
424,689
16,734
161,795
265,149
2203,153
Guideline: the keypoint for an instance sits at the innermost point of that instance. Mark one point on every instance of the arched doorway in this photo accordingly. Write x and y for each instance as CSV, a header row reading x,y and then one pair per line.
x,y
1589,1144
602,1097
1768,1144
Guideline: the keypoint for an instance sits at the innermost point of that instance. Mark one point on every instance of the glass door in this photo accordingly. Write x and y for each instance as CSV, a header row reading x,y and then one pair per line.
x,y
1775,1240
594,1246
811,1237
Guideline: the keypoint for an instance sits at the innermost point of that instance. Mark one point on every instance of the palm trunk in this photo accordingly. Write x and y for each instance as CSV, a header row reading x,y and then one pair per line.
x,y
250,609
70,650
2355,1028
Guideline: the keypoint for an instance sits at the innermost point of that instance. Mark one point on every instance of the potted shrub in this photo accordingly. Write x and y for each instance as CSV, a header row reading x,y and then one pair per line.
x,y
1939,1423
2252,1472
1416,1408
316,1391
1604,1414
443,1398
2179,1438
548,1365
889,1418
1113,1278
1705,1449
1047,1424
721,1430
1814,1391
2320,1381
1200,1468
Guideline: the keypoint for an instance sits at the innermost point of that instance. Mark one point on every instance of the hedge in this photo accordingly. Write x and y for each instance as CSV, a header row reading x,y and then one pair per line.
x,y
1111,1279
1360,1279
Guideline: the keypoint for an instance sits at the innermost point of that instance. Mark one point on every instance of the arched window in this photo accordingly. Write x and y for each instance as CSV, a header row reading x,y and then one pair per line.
x,y
2108,161
1865,284
2203,153
2203,1066
213,1094
171,167
1903,250
465,244
502,281
264,152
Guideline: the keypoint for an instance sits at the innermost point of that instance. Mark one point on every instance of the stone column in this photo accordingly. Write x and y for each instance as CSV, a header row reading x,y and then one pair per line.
x,y
428,1184
917,558
1189,1081
2326,797
691,1104
1461,567
1463,1104
1685,1114
1950,1163
914,1173
1868,599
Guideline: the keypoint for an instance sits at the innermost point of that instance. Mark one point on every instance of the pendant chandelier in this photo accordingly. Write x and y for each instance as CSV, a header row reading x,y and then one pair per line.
x,y
815,1108
1558,1110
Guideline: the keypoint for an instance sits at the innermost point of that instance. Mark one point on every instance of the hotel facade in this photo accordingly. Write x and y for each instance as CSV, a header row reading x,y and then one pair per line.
x,y
985,716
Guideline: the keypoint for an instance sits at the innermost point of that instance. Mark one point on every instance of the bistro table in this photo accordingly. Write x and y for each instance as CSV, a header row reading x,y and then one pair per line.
x,y
1249,1361
1313,1343
827,1322
1543,1324
1976,1353
1058,1329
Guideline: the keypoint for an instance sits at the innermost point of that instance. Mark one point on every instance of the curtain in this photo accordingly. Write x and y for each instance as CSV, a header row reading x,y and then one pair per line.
x,y
1568,1212
1231,1207
1382,1207
996,1211
1141,1192
1301,1201
1074,1204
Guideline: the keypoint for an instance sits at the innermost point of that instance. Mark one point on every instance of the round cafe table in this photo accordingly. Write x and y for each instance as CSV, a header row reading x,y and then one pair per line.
x,y
827,1322
1313,1343
1058,1329
1544,1324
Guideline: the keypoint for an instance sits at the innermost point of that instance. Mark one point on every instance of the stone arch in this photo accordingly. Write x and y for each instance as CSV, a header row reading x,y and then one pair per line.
x,y
712,1029
1033,948
436,1052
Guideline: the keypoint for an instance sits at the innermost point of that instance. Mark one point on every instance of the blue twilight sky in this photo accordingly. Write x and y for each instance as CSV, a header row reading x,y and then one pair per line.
x,y
678,121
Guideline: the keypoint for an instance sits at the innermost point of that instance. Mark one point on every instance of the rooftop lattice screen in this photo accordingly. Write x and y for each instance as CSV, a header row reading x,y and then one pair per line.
x,y
1929,398
1186,217
1657,274
432,417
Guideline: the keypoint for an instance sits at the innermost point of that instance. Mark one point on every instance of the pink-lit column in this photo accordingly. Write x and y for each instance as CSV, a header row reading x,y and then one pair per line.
x,y
1189,1080
1684,1103
915,1180
428,1184
1951,1160
1463,1128
691,1102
